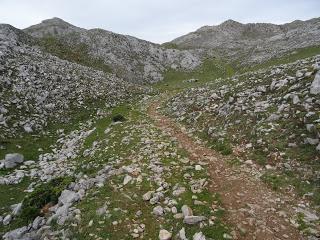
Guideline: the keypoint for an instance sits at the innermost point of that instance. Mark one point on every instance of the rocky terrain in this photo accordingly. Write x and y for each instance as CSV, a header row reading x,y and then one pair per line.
x,y
91,150
36,86
268,120
252,42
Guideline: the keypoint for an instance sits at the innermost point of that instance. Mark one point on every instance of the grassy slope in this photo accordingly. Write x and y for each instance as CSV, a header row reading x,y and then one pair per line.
x,y
210,70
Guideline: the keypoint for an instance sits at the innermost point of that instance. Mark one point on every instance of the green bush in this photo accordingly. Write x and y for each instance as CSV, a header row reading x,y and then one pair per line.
x,y
42,195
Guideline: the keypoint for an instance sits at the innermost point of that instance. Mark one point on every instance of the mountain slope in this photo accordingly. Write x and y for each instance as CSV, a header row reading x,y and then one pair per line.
x,y
253,42
36,86
133,59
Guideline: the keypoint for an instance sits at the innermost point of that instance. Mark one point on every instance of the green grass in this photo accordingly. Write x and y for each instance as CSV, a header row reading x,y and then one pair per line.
x,y
32,203
12,194
110,145
77,53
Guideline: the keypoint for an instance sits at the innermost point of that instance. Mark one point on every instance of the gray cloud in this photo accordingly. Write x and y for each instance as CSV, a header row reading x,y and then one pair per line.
x,y
156,21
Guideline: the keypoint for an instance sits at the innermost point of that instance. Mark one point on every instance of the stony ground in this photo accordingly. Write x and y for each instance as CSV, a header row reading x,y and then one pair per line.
x,y
150,178
254,211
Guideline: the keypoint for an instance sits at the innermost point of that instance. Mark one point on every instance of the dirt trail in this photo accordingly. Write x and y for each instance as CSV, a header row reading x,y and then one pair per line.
x,y
254,211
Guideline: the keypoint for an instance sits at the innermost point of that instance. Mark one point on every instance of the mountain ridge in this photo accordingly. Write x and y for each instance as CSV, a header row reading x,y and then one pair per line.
x,y
133,59
252,42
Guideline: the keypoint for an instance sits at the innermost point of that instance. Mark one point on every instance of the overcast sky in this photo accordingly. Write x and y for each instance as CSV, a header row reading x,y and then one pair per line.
x,y
155,20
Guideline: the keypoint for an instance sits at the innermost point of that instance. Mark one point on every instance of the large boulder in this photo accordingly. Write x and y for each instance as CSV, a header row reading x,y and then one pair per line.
x,y
315,86
12,159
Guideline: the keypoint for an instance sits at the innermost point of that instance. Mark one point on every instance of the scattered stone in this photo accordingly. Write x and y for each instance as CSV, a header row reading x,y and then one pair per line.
x,y
127,179
193,219
315,86
199,236
68,197
16,209
12,159
312,141
7,220
178,191
182,234
186,211
16,234
309,216
198,168
158,211
147,196
164,235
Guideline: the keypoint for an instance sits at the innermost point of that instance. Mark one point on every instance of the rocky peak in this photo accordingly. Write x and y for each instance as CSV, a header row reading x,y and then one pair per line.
x,y
230,23
55,21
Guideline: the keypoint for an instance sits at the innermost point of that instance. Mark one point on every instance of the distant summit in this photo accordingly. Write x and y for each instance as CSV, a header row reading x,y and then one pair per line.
x,y
54,26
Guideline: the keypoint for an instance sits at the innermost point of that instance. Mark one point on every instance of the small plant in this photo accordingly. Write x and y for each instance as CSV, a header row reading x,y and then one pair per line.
x,y
47,193
118,118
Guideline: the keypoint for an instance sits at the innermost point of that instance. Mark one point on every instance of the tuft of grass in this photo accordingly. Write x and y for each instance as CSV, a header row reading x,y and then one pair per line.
x,y
223,147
